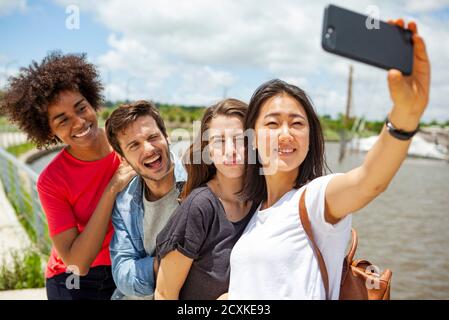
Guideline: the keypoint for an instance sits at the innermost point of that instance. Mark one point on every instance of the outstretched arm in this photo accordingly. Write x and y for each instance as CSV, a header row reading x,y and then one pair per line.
x,y
352,191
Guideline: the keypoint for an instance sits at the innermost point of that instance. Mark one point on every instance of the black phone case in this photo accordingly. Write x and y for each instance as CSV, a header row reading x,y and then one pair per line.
x,y
345,33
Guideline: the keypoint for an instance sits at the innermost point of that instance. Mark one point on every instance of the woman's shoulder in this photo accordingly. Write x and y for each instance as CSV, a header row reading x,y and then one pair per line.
x,y
324,177
201,199
201,192
320,182
191,219
52,172
314,188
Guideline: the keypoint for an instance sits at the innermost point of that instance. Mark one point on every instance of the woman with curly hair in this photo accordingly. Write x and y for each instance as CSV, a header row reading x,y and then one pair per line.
x,y
56,101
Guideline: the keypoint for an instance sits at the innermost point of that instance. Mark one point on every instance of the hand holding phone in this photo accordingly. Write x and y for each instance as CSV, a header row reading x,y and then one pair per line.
x,y
349,34
391,47
410,94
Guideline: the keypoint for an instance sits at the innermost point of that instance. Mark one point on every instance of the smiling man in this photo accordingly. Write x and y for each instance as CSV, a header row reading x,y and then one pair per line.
x,y
137,132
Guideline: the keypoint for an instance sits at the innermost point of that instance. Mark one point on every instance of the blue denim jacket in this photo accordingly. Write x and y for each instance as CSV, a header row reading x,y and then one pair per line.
x,y
132,268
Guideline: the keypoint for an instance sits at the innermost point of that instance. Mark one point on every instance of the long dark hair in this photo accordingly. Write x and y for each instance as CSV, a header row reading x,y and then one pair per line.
x,y
200,172
313,166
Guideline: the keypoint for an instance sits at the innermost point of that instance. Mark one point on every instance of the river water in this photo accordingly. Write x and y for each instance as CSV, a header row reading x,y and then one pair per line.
x,y
405,229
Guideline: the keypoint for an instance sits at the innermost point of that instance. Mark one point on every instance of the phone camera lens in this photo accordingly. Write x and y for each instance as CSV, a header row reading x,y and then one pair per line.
x,y
329,32
330,37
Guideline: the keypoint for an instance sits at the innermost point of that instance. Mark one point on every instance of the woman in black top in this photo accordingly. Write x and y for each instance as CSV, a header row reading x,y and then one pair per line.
x,y
194,247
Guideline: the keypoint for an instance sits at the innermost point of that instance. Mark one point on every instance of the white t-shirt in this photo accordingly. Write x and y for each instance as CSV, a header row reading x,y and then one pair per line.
x,y
273,259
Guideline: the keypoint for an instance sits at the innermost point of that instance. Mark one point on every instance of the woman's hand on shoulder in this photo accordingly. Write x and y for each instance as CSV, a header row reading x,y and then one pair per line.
x,y
122,177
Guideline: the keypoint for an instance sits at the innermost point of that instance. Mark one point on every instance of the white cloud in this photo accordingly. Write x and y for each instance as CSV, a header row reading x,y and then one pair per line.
x,y
202,85
196,51
127,54
141,73
8,67
426,6
8,7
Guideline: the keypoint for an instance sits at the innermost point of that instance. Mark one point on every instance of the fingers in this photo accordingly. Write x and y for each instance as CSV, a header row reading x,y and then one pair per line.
x,y
396,84
420,51
129,170
413,27
395,80
130,175
400,23
124,169
127,174
123,164
394,75
418,42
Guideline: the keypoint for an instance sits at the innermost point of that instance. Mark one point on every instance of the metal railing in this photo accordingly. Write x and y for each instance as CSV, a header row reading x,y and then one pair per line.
x,y
10,135
19,182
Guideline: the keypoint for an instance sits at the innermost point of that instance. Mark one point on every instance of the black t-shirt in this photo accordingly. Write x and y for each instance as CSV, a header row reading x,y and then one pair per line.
x,y
200,230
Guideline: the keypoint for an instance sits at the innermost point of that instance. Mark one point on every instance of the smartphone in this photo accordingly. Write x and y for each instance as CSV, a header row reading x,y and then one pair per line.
x,y
362,38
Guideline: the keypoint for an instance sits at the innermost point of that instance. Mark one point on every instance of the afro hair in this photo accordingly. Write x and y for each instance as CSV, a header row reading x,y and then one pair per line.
x,y
29,94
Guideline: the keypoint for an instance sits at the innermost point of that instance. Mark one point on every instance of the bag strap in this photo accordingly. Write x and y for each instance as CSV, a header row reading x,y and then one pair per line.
x,y
304,217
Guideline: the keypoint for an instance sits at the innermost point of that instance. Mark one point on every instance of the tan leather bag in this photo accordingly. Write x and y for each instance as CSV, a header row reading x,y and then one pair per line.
x,y
359,279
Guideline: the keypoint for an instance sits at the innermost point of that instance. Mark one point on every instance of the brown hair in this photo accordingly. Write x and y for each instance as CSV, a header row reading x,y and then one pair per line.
x,y
254,186
29,94
200,173
126,114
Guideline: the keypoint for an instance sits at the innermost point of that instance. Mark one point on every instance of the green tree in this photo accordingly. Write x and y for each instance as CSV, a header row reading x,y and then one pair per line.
x,y
105,114
182,118
171,118
375,126
108,104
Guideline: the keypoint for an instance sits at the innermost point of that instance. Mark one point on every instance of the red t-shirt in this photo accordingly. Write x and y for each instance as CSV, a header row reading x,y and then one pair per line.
x,y
69,190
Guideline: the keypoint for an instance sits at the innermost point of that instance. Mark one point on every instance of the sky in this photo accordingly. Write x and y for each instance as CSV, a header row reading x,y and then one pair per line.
x,y
195,52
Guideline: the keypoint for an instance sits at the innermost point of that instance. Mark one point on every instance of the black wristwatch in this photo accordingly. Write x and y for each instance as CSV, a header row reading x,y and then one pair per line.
x,y
398,133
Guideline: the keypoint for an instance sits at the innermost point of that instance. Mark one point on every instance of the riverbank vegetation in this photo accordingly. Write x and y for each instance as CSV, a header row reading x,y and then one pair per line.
x,y
181,116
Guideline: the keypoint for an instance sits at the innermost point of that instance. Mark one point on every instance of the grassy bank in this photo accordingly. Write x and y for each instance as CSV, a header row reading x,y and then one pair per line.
x,y
25,270
20,149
